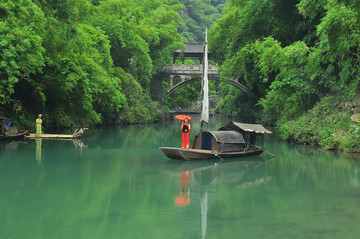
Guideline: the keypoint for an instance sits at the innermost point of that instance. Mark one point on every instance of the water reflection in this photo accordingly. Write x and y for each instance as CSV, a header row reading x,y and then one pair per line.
x,y
79,144
184,198
208,176
38,150
8,147
215,172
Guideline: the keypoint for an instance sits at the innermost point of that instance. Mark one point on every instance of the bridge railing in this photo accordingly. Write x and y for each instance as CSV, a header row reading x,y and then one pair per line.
x,y
189,69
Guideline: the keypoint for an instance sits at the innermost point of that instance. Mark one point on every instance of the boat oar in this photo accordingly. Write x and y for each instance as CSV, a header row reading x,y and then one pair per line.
x,y
217,155
264,150
270,153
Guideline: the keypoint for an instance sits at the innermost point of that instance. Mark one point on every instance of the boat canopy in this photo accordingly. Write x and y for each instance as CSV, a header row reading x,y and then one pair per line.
x,y
249,128
228,137
220,141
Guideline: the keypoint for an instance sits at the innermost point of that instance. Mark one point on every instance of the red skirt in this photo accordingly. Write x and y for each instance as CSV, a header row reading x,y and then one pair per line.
x,y
185,144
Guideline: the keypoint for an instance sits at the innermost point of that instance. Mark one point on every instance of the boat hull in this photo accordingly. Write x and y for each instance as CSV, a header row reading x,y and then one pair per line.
x,y
15,136
199,154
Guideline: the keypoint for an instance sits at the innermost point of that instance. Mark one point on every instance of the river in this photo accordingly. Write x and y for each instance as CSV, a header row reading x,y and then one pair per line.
x,y
116,183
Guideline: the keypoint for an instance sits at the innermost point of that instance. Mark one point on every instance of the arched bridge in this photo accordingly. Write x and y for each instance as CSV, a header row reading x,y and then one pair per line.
x,y
196,76
192,73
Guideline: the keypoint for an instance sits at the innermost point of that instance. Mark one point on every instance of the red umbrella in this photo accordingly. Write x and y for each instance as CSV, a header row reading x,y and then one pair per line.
x,y
183,117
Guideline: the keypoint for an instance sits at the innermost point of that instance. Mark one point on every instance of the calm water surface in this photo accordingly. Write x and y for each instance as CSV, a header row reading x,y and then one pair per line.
x,y
115,183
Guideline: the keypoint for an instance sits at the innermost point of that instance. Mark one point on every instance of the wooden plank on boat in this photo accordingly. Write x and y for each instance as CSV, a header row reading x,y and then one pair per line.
x,y
50,136
76,134
201,151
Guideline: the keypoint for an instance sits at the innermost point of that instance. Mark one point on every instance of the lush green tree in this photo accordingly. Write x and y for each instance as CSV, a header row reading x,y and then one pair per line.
x,y
331,66
70,59
160,30
186,96
120,22
313,50
138,107
143,34
299,80
232,43
77,76
199,15
339,41
299,58
249,20
22,54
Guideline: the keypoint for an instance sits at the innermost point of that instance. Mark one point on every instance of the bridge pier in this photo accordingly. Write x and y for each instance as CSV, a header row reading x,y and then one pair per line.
x,y
171,81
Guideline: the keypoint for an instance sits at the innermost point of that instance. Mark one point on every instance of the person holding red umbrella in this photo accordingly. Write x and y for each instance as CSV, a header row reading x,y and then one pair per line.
x,y
185,128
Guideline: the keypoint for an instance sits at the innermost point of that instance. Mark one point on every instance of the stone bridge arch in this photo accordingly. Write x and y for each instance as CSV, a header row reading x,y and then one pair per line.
x,y
195,50
232,82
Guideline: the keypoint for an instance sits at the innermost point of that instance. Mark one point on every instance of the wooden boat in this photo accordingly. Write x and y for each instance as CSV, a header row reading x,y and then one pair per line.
x,y
76,134
197,154
18,135
231,141
9,131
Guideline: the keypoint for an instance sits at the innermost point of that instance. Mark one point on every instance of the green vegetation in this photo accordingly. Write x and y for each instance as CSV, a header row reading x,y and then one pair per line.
x,y
93,62
301,58
197,15
96,62
328,124
70,60
189,97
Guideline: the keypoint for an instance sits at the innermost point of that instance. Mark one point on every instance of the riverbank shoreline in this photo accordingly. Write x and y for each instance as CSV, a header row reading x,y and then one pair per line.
x,y
328,124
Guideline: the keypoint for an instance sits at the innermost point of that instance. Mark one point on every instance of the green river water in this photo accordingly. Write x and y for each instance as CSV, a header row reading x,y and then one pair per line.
x,y
116,183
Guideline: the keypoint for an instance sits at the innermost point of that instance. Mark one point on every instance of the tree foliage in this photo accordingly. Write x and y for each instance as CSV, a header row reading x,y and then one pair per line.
x,y
22,54
290,53
198,15
70,60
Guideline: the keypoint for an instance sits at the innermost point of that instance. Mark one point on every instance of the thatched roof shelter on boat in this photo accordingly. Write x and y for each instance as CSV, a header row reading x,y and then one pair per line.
x,y
249,128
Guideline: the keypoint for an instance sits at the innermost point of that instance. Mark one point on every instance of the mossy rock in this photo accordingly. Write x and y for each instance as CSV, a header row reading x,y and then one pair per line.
x,y
356,118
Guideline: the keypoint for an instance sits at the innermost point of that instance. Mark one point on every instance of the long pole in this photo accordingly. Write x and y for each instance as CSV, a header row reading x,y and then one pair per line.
x,y
205,91
205,87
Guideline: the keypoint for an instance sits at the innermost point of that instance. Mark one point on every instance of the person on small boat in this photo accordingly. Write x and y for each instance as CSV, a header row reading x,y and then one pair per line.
x,y
185,128
39,121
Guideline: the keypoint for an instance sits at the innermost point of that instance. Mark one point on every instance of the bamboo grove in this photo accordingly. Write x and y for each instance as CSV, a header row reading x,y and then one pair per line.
x,y
301,58
91,62
84,62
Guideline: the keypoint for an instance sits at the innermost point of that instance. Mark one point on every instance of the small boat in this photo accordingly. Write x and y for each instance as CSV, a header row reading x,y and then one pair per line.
x,y
198,154
230,141
76,134
9,131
